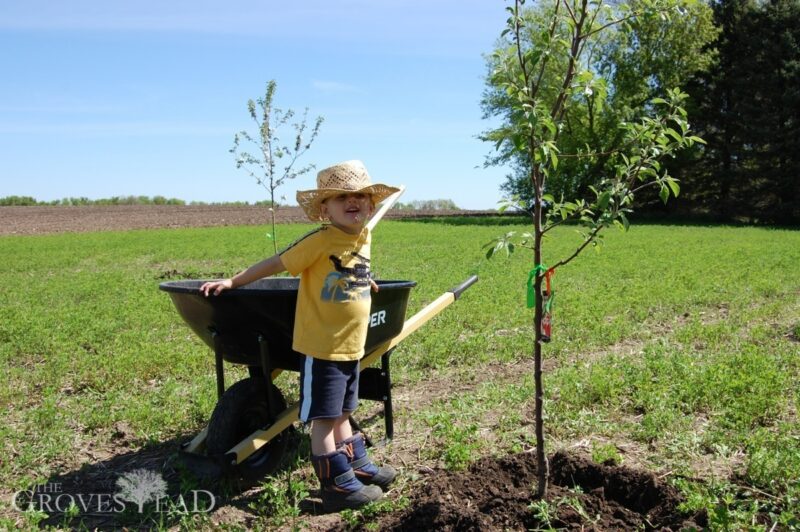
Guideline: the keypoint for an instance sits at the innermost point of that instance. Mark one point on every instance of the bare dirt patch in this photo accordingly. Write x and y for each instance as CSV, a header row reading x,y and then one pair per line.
x,y
81,219
493,494
496,494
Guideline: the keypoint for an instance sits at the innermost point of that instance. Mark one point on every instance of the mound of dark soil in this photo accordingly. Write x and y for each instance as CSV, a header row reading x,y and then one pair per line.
x,y
497,495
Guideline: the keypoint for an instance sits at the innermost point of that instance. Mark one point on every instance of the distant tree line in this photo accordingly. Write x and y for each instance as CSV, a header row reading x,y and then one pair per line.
x,y
747,108
119,200
115,200
427,205
416,205
739,61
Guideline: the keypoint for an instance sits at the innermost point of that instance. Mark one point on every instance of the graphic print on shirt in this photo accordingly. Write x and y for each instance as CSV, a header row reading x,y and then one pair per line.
x,y
348,282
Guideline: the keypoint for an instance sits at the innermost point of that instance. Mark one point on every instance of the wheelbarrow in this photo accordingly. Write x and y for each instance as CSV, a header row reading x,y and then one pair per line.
x,y
253,325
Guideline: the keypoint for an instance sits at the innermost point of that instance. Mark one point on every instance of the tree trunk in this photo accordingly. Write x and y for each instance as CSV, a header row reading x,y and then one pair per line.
x,y
272,208
541,459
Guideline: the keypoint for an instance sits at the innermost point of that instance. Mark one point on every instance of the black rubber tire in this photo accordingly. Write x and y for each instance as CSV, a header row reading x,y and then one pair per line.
x,y
241,411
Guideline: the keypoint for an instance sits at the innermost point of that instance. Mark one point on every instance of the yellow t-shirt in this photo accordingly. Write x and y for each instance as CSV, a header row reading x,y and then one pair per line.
x,y
333,301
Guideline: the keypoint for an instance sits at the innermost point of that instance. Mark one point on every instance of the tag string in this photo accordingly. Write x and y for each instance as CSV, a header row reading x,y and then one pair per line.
x,y
548,274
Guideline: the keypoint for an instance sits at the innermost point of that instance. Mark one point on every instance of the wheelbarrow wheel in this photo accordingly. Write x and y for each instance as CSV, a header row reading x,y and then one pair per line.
x,y
242,410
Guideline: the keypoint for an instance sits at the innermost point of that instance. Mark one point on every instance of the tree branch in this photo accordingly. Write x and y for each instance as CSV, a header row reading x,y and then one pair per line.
x,y
644,186
572,216
518,37
544,60
570,11
577,252
555,224
609,24
557,108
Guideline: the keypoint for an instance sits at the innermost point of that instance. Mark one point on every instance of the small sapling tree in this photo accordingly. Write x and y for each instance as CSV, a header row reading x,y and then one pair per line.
x,y
275,161
547,78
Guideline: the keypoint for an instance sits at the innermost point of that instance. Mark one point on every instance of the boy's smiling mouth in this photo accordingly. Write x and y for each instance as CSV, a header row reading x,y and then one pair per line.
x,y
348,211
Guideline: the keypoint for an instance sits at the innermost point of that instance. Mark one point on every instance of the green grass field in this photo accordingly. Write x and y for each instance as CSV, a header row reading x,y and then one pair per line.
x,y
675,348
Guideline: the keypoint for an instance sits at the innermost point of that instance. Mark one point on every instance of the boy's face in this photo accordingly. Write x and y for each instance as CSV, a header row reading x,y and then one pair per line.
x,y
348,212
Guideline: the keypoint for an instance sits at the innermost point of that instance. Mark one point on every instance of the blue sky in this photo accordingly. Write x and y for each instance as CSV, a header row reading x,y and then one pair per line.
x,y
111,98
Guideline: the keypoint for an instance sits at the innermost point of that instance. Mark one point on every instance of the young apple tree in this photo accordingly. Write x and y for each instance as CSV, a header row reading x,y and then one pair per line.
x,y
274,161
547,77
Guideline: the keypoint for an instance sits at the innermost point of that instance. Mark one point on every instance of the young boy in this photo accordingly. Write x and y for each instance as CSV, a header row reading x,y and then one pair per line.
x,y
331,321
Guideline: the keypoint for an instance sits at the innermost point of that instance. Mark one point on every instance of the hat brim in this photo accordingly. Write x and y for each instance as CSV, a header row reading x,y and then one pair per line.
x,y
311,200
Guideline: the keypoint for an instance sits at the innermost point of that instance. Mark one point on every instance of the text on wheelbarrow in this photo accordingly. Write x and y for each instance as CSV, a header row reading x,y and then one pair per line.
x,y
377,318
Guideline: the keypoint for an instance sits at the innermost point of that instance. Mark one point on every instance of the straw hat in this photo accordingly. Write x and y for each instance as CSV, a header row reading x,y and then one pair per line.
x,y
343,178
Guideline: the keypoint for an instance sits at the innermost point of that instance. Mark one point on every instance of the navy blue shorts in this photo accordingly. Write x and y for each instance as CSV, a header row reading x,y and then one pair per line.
x,y
328,389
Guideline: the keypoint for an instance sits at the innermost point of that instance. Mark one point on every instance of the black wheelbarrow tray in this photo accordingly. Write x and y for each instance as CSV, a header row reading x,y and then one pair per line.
x,y
253,325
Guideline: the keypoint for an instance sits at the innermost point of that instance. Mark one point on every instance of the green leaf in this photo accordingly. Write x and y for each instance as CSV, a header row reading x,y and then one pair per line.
x,y
584,77
493,247
546,122
664,194
674,134
520,142
625,221
603,200
506,203
674,186
532,57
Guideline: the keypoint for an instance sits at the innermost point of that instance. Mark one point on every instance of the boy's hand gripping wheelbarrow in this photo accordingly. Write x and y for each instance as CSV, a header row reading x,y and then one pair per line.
x,y
253,325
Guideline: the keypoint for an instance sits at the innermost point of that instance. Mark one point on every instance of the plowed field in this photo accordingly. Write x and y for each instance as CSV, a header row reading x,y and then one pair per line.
x,y
78,219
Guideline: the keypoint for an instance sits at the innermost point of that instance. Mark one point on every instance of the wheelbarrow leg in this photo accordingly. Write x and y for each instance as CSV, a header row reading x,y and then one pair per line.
x,y
266,370
218,360
376,385
388,414
357,428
